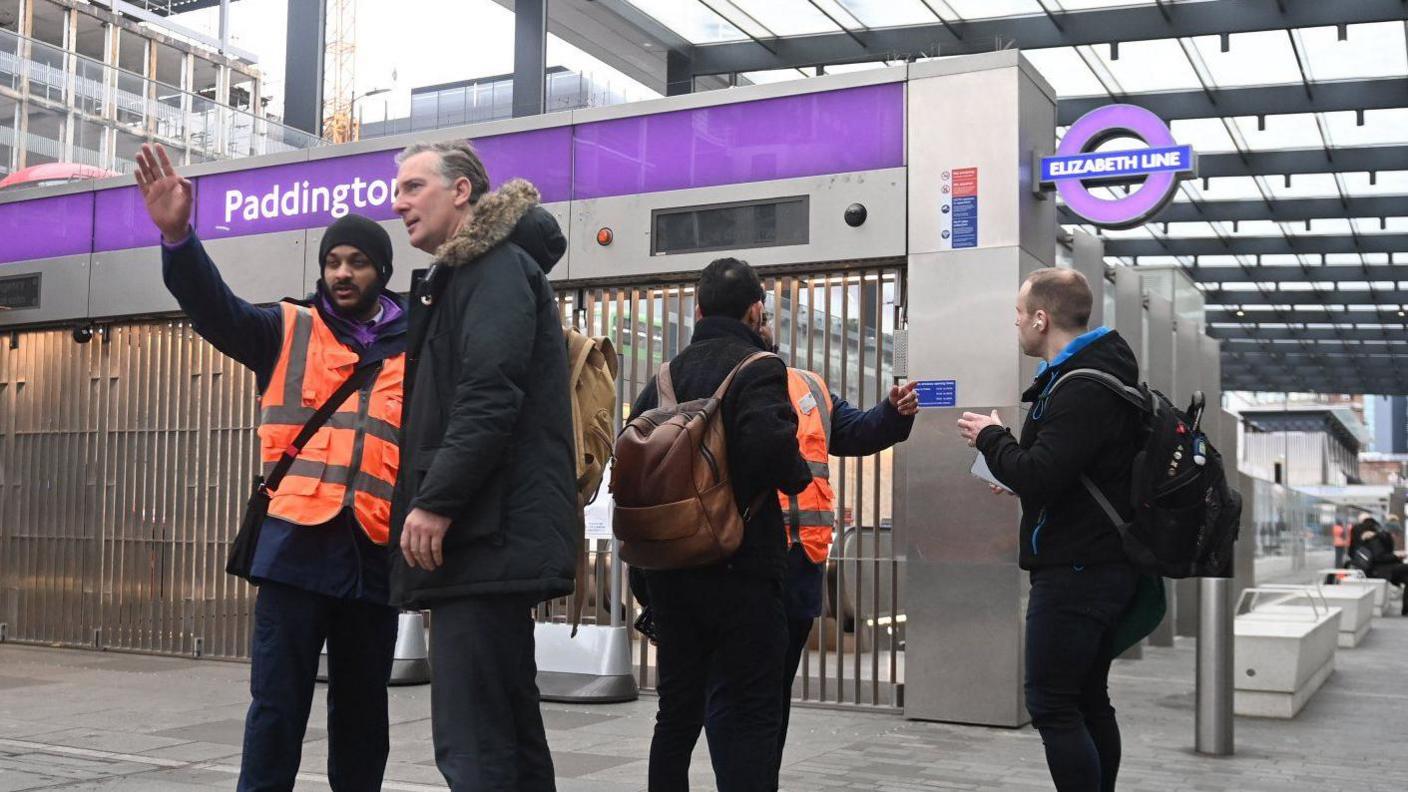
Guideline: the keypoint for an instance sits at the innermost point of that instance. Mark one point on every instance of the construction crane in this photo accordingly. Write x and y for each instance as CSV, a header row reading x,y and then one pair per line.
x,y
339,124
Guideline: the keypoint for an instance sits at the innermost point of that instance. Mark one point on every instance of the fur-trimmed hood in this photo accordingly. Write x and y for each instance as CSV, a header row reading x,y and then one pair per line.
x,y
508,214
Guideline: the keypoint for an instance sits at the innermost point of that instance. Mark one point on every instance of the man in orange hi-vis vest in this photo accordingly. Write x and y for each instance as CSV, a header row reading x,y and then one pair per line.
x,y
321,561
827,426
1340,536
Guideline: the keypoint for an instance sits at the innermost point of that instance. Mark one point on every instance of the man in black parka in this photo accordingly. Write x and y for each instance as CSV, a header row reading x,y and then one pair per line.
x,y
484,513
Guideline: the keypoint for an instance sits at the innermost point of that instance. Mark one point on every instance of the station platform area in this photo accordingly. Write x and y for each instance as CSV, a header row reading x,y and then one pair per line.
x,y
76,720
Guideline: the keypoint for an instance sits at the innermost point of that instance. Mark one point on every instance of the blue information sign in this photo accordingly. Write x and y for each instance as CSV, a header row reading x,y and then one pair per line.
x,y
937,393
965,221
1117,165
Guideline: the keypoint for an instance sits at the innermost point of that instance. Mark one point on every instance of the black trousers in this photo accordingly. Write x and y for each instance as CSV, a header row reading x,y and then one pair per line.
x,y
1395,574
802,599
484,712
722,638
290,625
1071,616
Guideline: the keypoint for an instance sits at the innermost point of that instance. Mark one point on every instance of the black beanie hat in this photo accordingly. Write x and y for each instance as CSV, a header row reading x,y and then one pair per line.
x,y
364,234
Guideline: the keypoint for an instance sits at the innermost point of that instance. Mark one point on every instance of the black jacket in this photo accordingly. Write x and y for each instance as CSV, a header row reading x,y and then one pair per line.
x,y
337,558
1082,428
759,427
487,434
1381,547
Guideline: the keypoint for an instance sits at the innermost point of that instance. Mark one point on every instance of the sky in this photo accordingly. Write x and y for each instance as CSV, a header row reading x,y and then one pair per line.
x,y
420,42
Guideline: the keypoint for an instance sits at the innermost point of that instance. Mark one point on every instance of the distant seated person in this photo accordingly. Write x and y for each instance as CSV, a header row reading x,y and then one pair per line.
x,y
1371,550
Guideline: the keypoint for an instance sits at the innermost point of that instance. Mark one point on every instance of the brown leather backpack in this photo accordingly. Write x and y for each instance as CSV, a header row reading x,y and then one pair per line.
x,y
674,502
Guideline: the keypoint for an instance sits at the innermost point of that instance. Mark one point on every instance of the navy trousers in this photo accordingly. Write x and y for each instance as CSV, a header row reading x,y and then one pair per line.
x,y
290,625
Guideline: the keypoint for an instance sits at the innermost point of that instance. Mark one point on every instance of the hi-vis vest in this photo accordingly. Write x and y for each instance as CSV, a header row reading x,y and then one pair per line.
x,y
811,516
351,461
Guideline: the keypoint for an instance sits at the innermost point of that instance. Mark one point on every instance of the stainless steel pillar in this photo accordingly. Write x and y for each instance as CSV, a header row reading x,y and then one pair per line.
x,y
1128,319
1188,376
1088,258
1214,723
1158,366
1129,313
965,597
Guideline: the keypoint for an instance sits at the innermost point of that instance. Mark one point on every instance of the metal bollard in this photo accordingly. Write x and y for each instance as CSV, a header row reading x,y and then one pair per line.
x,y
1214,723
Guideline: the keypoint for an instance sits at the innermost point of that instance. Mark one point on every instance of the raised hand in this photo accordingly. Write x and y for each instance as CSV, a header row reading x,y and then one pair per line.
x,y
905,400
166,193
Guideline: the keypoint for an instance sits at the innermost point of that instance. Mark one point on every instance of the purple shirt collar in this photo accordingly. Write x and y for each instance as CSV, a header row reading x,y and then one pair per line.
x,y
364,333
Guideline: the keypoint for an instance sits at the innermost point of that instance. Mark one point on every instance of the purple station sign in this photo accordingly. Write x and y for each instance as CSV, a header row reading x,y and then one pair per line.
x,y
46,227
788,137
313,194
840,131
1077,168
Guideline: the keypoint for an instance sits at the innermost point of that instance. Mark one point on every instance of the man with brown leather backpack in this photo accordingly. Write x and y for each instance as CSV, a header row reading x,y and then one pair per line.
x,y
721,625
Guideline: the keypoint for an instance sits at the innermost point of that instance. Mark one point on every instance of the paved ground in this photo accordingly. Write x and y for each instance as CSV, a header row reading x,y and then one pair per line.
x,y
74,720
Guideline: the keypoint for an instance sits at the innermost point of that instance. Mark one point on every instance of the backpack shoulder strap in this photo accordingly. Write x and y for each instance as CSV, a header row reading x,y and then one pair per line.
x,y
756,356
1104,502
1111,383
665,387
579,347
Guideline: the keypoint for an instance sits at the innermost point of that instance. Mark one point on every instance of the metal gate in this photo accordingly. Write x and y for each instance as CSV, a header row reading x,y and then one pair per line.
x,y
123,466
125,461
840,324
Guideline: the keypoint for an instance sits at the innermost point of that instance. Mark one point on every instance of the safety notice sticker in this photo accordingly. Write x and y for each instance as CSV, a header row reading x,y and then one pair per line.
x,y
965,207
958,208
937,393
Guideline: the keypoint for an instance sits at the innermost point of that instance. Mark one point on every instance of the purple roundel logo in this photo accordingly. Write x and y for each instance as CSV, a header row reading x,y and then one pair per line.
x,y
1077,168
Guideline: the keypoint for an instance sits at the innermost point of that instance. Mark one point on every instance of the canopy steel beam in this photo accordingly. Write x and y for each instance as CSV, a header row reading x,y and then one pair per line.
x,y
1364,366
1323,97
1311,160
1356,297
1281,210
304,45
1241,337
1066,29
1281,273
1251,246
530,48
1294,355
1350,350
1388,386
1389,315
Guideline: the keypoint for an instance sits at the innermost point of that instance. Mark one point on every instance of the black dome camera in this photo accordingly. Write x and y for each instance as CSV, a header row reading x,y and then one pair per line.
x,y
82,334
855,215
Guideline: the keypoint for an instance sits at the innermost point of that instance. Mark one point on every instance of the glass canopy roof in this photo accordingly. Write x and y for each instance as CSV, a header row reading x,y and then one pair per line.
x,y
1364,206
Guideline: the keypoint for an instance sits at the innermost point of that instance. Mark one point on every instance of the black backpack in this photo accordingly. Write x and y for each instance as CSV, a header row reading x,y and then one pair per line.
x,y
1186,517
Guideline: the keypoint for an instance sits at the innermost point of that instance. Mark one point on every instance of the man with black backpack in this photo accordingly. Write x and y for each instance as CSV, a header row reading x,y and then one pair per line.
x,y
721,627
1082,580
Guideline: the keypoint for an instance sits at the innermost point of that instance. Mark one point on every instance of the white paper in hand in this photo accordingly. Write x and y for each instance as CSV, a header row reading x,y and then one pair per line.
x,y
980,469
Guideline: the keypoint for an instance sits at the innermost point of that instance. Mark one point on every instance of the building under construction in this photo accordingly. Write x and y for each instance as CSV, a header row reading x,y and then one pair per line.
x,y
88,81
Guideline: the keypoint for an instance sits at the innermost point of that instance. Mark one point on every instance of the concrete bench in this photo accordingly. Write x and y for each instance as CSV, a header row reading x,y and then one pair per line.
x,y
1284,652
1356,604
1384,594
